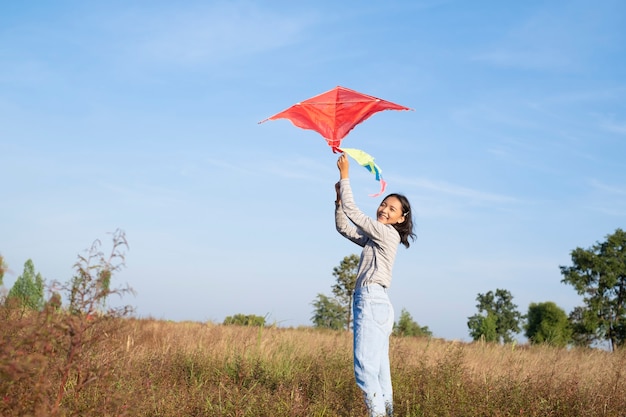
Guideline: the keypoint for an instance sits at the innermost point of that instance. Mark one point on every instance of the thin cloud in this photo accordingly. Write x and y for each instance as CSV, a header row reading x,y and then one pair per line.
x,y
491,112
299,168
584,96
228,166
608,199
607,189
610,210
524,57
614,126
212,34
548,40
464,193
144,194
291,168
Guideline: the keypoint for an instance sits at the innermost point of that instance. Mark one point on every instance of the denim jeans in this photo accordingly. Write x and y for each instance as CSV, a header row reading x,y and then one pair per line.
x,y
373,323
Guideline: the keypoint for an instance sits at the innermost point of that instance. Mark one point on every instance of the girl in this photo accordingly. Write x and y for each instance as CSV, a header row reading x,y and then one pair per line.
x,y
373,312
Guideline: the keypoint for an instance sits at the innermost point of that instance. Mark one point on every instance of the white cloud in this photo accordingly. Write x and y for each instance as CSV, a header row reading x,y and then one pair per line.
x,y
607,189
554,38
210,34
614,126
469,194
608,199
441,199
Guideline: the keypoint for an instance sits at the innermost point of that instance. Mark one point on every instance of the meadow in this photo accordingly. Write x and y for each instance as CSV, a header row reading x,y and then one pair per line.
x,y
55,364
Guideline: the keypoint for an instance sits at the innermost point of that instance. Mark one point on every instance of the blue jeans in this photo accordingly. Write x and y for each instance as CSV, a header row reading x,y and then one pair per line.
x,y
373,323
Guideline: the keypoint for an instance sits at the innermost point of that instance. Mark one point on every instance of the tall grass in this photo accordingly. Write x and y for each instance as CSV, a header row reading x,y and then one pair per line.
x,y
145,367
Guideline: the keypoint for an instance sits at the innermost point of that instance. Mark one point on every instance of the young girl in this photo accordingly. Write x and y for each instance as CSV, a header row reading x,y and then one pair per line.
x,y
373,312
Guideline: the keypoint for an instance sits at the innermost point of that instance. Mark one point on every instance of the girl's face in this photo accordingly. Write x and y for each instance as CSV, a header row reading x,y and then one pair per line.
x,y
390,211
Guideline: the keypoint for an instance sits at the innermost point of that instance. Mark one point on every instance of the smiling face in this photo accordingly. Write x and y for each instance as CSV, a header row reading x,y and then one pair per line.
x,y
390,211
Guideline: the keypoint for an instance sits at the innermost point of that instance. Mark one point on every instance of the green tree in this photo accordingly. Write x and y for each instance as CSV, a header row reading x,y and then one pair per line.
x,y
495,308
346,274
599,275
328,313
406,326
583,323
28,289
483,327
245,320
548,323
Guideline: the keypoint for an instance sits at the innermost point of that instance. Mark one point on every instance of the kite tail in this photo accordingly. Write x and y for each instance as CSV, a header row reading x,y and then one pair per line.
x,y
383,186
367,161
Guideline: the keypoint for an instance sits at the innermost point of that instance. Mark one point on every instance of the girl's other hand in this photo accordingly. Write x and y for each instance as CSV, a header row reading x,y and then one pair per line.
x,y
338,191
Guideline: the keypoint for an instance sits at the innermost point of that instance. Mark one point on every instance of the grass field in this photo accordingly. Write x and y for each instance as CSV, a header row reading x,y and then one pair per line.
x,y
53,364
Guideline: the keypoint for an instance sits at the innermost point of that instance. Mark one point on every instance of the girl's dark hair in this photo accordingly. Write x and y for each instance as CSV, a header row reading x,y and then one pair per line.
x,y
405,229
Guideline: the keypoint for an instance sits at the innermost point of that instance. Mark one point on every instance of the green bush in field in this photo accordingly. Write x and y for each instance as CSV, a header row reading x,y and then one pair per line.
x,y
547,323
245,320
406,326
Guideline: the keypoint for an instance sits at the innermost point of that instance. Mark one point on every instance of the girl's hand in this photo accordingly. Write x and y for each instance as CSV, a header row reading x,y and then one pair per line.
x,y
344,166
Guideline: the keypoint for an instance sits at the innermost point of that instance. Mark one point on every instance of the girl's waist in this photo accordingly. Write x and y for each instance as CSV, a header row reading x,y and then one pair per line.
x,y
371,287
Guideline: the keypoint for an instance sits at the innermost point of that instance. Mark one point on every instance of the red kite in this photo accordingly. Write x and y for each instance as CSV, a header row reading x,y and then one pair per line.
x,y
335,113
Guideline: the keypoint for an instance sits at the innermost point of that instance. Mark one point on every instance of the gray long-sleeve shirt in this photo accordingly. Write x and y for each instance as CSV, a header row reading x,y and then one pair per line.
x,y
379,241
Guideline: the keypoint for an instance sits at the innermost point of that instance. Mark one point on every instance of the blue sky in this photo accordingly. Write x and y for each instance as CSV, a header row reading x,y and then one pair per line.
x,y
143,116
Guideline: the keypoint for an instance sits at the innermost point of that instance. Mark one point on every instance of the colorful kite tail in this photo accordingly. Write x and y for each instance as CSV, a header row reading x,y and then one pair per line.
x,y
367,161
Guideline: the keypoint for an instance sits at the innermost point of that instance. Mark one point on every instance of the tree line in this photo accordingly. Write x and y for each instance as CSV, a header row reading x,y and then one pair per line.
x,y
598,274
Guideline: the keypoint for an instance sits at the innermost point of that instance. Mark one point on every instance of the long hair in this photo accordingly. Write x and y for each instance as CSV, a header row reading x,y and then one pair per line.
x,y
405,229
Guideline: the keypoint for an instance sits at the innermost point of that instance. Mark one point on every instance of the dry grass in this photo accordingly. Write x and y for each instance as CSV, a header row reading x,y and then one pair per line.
x,y
157,368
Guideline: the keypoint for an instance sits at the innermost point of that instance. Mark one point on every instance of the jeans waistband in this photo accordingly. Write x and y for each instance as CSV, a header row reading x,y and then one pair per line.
x,y
371,288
